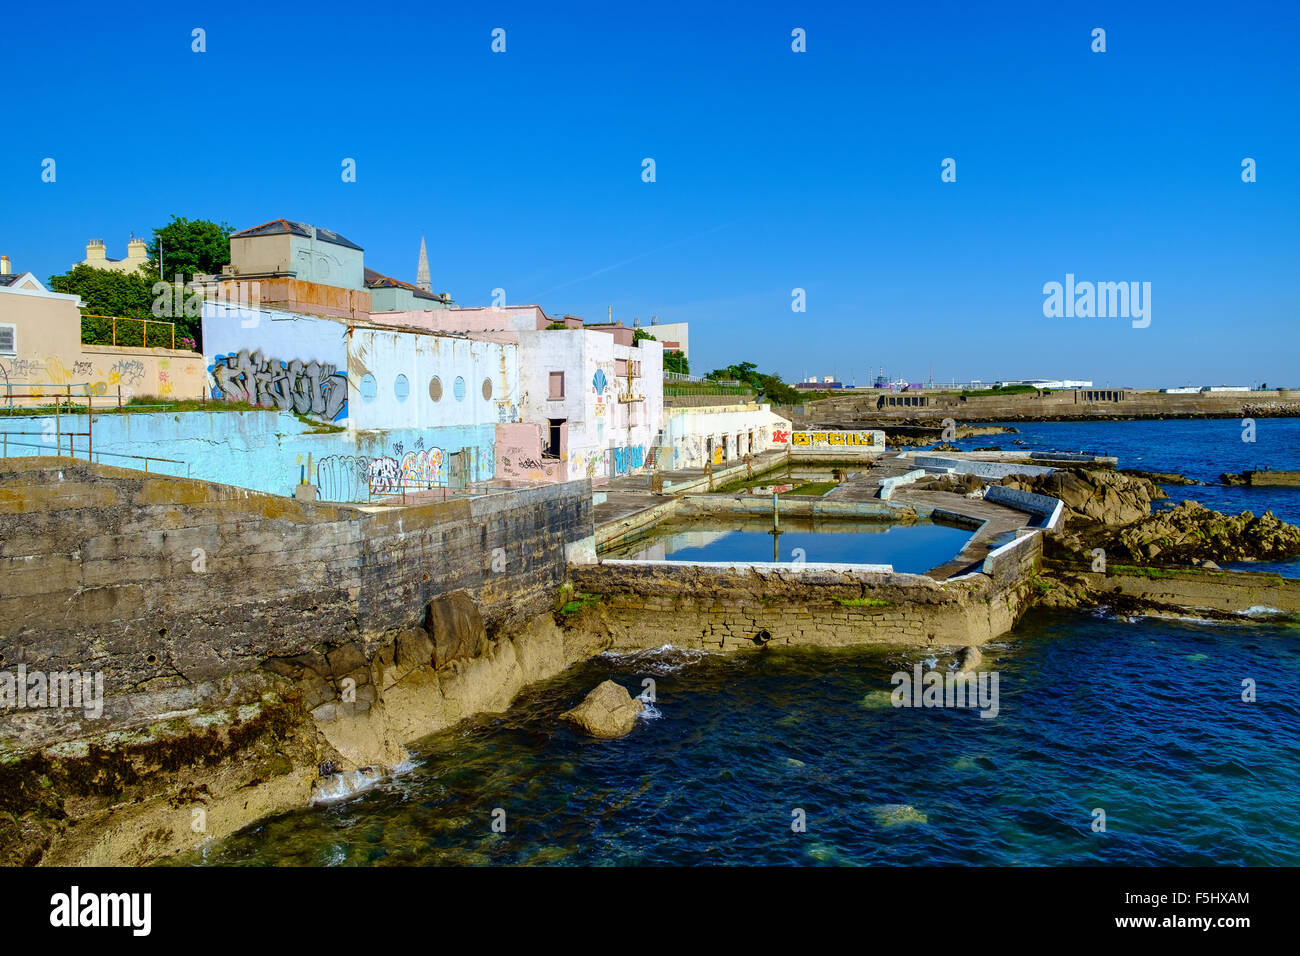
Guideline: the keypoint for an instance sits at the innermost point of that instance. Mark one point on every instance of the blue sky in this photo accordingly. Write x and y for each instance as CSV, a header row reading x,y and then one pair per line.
x,y
775,169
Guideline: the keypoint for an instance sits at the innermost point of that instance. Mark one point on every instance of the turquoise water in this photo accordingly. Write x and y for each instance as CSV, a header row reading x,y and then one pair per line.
x,y
1142,719
910,548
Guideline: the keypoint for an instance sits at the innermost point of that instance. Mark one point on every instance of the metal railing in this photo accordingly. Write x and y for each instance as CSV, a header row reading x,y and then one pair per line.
x,y
59,433
93,457
144,331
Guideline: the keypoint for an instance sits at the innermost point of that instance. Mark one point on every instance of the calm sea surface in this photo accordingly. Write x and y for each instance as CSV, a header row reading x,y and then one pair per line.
x,y
1142,719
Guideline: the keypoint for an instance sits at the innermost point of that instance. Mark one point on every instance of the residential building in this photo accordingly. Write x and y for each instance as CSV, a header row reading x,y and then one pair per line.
x,y
41,351
137,255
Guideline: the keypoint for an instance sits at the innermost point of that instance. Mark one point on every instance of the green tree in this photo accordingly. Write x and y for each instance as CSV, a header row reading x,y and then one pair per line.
x,y
104,292
122,295
675,361
189,246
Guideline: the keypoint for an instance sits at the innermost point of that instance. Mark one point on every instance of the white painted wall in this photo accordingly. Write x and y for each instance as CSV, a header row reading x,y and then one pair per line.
x,y
605,435
686,431
386,355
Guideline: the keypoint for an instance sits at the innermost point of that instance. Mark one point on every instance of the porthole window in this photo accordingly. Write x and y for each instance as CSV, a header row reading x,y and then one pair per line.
x,y
369,388
487,388
401,388
458,389
435,389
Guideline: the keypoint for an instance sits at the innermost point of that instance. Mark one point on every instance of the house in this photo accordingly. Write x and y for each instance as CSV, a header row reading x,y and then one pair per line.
x,y
137,256
41,351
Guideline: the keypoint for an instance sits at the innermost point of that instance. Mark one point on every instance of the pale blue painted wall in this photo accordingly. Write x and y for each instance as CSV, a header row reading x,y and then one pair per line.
x,y
265,451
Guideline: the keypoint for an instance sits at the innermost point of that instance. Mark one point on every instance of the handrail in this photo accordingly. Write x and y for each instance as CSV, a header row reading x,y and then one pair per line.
x,y
144,334
95,456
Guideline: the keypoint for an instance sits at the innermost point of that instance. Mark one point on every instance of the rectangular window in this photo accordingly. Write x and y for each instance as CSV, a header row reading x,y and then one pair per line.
x,y
9,339
557,385
620,368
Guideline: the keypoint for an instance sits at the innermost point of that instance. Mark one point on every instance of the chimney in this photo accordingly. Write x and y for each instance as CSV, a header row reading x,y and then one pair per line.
x,y
95,250
137,249
5,268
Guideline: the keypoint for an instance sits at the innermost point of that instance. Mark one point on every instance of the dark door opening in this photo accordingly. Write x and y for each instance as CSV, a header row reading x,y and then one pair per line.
x,y
553,441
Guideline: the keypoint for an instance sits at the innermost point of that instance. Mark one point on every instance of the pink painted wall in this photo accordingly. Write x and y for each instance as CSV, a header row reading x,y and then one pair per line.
x,y
519,455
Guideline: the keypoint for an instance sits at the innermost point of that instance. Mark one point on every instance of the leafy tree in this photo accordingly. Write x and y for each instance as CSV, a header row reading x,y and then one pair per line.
x,y
123,295
104,292
189,246
675,361
640,334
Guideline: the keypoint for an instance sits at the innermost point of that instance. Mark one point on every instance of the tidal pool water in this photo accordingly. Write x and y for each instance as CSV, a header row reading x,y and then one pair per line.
x,y
1142,719
910,548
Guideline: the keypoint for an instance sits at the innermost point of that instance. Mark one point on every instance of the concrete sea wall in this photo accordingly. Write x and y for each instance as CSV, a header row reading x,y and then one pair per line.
x,y
735,606
251,647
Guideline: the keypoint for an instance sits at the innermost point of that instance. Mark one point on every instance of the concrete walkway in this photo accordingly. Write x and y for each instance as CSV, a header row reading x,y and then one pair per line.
x,y
626,496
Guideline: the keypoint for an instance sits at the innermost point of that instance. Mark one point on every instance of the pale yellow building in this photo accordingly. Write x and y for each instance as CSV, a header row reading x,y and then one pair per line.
x,y
137,254
41,352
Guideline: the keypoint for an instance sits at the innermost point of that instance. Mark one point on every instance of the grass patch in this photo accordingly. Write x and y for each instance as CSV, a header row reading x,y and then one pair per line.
x,y
318,428
817,488
863,602
138,405
580,603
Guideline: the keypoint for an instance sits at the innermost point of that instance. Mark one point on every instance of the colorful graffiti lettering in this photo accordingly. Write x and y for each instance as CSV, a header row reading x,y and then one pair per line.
x,y
308,388
627,458
780,436
866,438
422,467
356,477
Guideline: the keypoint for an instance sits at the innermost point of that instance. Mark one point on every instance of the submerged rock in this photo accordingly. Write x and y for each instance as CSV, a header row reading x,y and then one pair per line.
x,y
897,814
608,711
969,658
878,700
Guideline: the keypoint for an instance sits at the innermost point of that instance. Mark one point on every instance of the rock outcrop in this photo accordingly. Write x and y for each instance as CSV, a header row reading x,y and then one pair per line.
x,y
1094,495
608,711
1192,533
455,628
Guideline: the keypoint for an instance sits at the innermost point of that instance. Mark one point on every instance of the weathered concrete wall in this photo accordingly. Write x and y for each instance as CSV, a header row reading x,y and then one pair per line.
x,y
1015,560
167,583
1186,589
1064,404
728,608
984,469
230,628
1049,510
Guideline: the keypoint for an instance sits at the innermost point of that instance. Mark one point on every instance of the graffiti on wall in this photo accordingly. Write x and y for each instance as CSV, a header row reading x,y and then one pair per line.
x,y
126,372
866,438
354,477
627,458
780,436
587,464
308,388
19,369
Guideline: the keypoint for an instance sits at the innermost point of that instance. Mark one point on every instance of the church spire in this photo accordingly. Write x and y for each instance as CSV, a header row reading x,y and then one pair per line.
x,y
422,271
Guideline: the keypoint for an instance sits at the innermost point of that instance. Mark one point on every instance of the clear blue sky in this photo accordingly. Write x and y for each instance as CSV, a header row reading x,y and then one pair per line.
x,y
775,170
